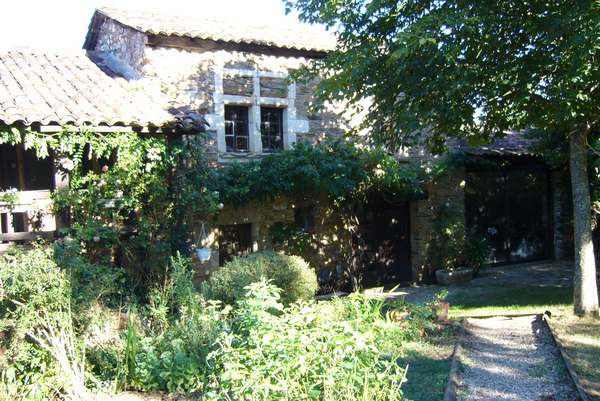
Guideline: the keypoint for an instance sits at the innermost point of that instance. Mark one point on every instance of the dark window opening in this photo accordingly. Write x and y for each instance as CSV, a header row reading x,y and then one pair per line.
x,y
234,240
23,170
304,217
92,163
271,128
236,128
509,206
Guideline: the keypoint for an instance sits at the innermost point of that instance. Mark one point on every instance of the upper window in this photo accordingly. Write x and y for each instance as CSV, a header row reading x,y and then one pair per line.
x,y
271,128
236,128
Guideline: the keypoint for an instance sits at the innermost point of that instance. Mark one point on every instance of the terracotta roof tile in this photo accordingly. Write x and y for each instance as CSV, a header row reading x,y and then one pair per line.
x,y
71,88
289,36
514,143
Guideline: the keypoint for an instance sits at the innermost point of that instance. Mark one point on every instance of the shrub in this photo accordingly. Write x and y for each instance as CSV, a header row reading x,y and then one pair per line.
x,y
291,274
166,347
306,351
34,304
49,296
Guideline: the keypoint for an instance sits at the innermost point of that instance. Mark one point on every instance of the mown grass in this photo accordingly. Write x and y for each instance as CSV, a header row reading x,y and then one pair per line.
x,y
580,338
508,300
428,366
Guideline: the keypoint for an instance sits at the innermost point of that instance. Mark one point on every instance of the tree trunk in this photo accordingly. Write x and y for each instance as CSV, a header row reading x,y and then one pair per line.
x,y
585,291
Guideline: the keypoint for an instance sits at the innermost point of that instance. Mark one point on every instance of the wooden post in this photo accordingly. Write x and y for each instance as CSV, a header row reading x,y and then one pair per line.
x,y
61,181
22,181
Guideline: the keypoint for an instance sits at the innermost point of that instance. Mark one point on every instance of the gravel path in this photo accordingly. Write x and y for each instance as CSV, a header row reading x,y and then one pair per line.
x,y
512,359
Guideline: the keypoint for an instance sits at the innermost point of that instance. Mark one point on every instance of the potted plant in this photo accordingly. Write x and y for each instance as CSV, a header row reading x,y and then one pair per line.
x,y
446,250
440,307
477,251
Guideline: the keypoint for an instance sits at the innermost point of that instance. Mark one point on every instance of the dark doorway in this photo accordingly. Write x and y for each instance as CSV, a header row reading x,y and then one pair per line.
x,y
385,228
234,240
509,204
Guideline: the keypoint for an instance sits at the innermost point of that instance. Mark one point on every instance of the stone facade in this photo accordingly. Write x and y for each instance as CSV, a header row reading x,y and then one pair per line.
x,y
126,44
274,87
204,78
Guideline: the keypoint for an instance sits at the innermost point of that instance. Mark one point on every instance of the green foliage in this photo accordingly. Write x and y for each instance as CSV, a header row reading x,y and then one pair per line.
x,y
477,251
309,351
292,274
9,198
339,169
447,244
342,174
33,291
167,350
130,196
181,343
466,69
31,284
290,238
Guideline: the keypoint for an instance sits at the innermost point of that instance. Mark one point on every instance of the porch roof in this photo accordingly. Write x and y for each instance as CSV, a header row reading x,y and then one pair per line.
x,y
514,143
75,88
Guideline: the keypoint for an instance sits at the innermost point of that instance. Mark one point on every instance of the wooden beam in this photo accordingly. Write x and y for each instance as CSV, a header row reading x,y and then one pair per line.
x,y
27,236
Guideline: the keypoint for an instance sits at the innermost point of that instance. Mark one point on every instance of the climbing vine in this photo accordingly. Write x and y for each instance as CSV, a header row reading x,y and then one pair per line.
x,y
343,175
130,196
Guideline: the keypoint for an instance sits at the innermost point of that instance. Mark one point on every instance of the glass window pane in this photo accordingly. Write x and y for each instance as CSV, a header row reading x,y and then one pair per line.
x,y
236,128
271,128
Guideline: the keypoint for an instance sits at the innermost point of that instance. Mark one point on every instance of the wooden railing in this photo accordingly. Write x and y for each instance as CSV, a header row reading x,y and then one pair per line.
x,y
33,209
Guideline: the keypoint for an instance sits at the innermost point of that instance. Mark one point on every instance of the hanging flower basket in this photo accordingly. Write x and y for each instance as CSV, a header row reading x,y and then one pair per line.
x,y
203,254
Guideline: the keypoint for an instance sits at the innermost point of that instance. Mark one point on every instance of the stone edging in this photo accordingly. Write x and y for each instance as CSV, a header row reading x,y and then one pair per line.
x,y
576,380
452,386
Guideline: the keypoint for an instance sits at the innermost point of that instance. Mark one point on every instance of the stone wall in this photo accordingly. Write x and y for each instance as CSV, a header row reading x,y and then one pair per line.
x,y
187,78
261,214
448,189
241,86
273,87
127,44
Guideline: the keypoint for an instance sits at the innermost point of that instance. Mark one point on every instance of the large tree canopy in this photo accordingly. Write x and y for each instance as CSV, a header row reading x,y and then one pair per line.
x,y
473,69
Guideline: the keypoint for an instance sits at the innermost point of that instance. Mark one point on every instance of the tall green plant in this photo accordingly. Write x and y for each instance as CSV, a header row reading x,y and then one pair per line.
x,y
472,69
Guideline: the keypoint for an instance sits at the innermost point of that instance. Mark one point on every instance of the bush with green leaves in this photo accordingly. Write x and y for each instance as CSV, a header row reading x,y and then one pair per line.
x,y
297,280
47,293
168,342
326,351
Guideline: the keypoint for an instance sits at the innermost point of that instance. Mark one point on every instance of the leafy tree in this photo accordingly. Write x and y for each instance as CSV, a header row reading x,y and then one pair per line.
x,y
472,69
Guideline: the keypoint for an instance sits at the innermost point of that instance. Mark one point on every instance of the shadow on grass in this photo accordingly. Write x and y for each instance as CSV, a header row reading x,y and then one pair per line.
x,y
428,363
426,377
513,299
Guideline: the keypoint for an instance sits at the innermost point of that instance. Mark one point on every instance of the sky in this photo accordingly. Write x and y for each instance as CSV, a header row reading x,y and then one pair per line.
x,y
62,24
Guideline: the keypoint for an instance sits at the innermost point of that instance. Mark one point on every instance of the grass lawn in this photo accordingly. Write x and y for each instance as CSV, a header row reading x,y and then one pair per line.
x,y
428,366
579,337
491,300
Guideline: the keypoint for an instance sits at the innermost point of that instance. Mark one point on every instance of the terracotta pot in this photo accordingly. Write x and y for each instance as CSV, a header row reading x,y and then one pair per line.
x,y
441,311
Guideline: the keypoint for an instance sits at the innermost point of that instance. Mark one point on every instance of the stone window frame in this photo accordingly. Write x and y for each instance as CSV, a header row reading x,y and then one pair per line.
x,y
291,124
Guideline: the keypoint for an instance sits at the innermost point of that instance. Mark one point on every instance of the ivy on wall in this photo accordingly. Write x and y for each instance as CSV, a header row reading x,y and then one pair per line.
x,y
132,197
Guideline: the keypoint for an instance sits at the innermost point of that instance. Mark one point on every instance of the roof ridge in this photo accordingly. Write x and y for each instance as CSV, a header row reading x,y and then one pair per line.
x,y
277,33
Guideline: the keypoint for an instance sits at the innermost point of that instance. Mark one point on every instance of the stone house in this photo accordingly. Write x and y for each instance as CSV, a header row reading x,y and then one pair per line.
x,y
138,71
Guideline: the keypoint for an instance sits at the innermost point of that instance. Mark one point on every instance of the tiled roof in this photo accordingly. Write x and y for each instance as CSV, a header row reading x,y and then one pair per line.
x,y
515,143
71,88
289,36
